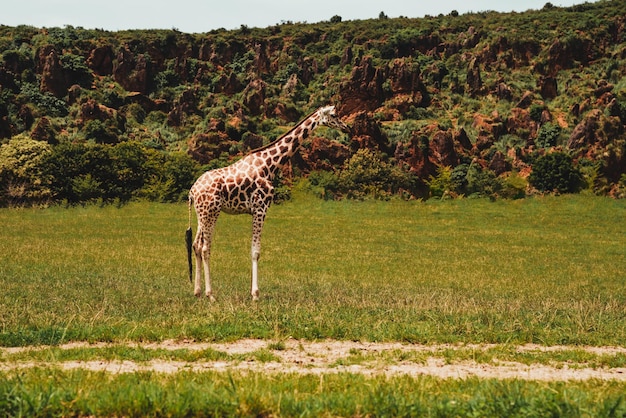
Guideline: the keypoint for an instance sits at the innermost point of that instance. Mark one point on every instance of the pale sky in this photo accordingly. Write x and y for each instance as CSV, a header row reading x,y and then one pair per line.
x,y
197,16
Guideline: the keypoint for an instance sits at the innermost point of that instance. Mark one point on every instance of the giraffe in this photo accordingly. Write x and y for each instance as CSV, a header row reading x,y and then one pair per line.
x,y
245,187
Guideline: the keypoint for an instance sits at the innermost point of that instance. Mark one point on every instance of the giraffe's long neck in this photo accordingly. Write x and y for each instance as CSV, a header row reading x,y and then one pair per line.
x,y
280,151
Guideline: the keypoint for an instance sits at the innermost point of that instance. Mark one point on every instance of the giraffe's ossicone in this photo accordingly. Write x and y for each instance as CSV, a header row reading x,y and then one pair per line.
x,y
245,187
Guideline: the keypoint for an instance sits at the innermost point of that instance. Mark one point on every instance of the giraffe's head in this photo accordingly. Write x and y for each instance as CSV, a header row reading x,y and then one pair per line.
x,y
327,117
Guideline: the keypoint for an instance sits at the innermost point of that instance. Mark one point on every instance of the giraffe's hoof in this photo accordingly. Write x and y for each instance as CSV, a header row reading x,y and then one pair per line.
x,y
197,293
210,296
255,296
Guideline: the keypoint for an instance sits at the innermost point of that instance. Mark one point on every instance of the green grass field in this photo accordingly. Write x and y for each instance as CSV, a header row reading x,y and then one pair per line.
x,y
546,270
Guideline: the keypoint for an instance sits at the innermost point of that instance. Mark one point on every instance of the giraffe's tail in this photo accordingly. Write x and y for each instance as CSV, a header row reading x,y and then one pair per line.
x,y
189,241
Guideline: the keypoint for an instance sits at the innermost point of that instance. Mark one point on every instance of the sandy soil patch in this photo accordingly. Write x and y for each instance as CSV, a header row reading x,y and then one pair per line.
x,y
338,357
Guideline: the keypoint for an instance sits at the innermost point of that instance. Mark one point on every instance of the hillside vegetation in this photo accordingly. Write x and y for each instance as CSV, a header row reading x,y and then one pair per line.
x,y
491,104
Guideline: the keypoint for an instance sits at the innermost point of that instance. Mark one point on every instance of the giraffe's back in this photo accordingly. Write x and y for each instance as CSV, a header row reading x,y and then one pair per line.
x,y
234,189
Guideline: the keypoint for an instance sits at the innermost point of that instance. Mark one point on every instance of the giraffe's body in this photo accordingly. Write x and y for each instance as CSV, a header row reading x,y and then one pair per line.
x,y
245,187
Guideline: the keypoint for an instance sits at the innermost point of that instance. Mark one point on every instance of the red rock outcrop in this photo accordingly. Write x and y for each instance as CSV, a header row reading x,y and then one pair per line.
x,y
43,131
131,71
211,143
363,90
254,96
366,133
321,154
52,74
367,88
101,60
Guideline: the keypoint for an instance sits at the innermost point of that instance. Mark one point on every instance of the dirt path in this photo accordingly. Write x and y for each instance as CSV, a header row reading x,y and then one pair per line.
x,y
353,357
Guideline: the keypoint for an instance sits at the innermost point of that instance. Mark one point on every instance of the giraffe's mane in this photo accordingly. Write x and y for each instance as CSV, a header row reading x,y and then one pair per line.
x,y
293,128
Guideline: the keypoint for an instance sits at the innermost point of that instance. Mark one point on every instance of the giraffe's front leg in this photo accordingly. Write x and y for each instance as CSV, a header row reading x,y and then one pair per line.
x,y
257,227
254,291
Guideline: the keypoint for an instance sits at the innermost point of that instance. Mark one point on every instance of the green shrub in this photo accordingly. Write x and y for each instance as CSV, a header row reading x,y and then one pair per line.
x,y
77,69
18,57
170,175
22,177
367,174
324,184
101,132
548,135
482,182
465,179
514,186
555,172
129,170
442,184
87,172
45,102
458,179
535,111
620,191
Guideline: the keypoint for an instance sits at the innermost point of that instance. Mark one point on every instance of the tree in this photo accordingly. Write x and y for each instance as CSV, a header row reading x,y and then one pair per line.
x,y
22,175
555,172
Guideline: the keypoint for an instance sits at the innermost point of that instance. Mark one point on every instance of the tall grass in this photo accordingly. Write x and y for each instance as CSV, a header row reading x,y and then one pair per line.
x,y
50,392
547,270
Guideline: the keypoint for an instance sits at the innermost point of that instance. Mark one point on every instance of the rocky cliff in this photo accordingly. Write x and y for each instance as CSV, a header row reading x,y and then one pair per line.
x,y
484,88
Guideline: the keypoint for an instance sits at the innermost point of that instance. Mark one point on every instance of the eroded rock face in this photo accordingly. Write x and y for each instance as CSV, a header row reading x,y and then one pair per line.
x,y
186,104
52,75
208,146
548,87
131,71
43,131
474,80
363,90
101,60
443,150
584,134
368,86
92,110
321,154
366,133
593,135
417,156
564,55
254,96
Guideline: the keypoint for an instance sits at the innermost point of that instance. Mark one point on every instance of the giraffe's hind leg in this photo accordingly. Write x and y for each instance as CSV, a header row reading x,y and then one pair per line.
x,y
197,250
202,249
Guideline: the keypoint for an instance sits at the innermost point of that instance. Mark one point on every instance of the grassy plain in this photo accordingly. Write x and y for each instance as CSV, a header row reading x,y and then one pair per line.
x,y
545,270
548,270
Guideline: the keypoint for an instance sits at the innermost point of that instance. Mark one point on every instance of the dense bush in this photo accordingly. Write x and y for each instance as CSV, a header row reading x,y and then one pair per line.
x,y
87,172
169,176
368,174
465,180
548,135
22,174
556,172
365,174
45,102
443,184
